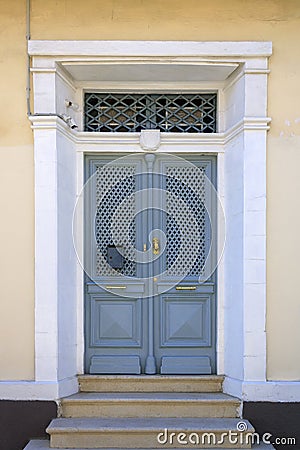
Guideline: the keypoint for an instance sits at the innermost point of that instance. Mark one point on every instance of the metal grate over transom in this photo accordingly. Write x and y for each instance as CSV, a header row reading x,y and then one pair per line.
x,y
171,113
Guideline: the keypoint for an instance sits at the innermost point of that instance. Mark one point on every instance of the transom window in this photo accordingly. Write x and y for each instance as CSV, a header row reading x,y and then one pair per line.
x,y
176,113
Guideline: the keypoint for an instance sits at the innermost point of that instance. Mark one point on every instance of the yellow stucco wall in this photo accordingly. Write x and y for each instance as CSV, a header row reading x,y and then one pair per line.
x,y
273,20
16,202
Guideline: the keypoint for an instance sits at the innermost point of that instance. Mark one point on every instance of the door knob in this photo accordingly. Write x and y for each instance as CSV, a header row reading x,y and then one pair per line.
x,y
155,244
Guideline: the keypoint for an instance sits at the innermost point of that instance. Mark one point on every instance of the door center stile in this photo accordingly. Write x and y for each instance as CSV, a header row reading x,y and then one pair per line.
x,y
150,367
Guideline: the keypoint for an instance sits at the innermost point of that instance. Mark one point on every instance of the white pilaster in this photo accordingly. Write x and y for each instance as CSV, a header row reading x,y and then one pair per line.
x,y
55,260
255,141
46,254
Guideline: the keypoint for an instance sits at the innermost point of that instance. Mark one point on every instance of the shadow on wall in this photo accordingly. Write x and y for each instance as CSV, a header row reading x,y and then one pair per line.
x,y
278,419
21,421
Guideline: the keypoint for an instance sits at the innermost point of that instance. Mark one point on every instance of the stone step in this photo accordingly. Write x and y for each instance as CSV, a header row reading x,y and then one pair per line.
x,y
143,433
44,444
150,383
136,404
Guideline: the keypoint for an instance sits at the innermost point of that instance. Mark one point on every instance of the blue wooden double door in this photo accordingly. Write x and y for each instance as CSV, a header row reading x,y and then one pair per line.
x,y
150,291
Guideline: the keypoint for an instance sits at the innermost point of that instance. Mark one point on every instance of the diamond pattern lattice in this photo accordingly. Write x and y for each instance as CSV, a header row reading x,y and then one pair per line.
x,y
114,184
178,113
188,184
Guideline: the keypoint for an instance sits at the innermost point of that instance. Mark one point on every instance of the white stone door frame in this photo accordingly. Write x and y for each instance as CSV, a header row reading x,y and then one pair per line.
x,y
241,148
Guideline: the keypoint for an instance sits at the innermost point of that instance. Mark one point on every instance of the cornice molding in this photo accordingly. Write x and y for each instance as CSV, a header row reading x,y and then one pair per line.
x,y
54,122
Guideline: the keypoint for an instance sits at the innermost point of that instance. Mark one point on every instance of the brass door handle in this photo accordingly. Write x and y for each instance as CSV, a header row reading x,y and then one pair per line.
x,y
186,288
155,245
115,287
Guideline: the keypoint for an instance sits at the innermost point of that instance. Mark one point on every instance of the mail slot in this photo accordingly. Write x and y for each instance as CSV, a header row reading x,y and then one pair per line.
x,y
114,256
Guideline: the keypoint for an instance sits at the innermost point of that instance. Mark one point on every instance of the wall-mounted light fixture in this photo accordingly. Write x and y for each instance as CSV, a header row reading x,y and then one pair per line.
x,y
69,121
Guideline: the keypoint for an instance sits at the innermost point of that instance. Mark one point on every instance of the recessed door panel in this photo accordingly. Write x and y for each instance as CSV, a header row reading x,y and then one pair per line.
x,y
115,322
185,321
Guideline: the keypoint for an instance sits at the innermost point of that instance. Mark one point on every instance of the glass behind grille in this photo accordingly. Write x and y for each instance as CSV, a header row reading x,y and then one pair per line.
x,y
171,113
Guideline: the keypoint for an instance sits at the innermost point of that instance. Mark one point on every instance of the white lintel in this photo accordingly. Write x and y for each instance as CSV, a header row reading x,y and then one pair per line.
x,y
147,48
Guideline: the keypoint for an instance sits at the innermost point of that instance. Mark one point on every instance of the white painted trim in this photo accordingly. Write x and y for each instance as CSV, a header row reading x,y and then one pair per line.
x,y
79,237
156,48
263,391
220,338
38,390
51,122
